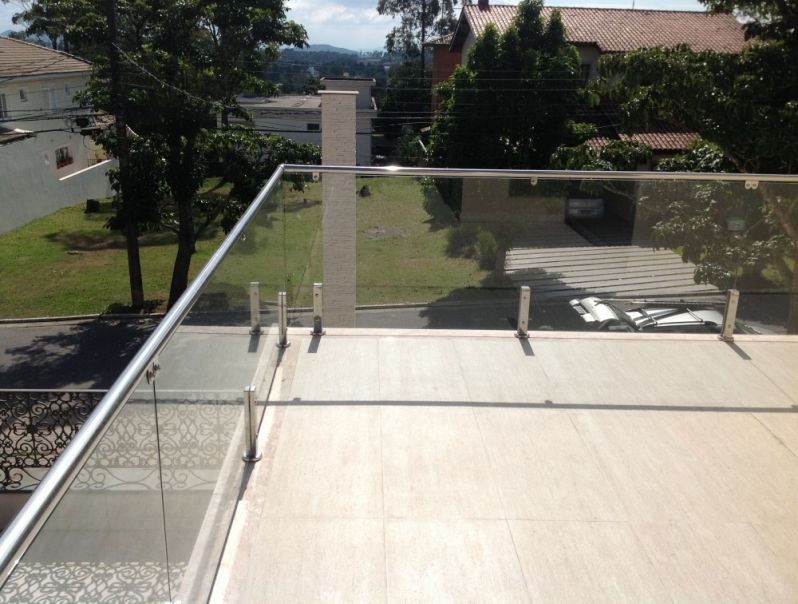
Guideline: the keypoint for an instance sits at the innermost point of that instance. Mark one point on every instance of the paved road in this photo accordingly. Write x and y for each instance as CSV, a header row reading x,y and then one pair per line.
x,y
74,354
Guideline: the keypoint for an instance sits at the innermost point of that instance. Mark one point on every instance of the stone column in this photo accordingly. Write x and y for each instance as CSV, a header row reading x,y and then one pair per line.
x,y
339,208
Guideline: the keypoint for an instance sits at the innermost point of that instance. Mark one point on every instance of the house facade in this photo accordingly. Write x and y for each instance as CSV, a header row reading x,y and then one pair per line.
x,y
47,158
298,117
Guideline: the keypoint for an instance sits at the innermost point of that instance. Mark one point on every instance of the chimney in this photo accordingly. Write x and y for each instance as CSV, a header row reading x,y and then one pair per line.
x,y
484,4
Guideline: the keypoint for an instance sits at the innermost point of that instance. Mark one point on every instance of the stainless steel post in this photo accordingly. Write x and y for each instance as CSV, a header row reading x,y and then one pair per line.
x,y
730,315
254,307
317,310
282,319
251,453
523,312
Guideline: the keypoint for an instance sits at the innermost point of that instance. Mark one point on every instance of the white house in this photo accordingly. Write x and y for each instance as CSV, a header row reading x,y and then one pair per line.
x,y
298,117
47,159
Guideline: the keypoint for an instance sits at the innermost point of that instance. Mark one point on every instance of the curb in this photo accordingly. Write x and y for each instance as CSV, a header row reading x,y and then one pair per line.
x,y
74,318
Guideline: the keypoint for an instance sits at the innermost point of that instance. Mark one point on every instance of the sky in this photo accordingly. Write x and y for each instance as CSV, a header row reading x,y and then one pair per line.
x,y
355,24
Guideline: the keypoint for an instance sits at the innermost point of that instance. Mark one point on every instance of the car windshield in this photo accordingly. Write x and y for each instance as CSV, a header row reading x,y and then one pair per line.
x,y
620,313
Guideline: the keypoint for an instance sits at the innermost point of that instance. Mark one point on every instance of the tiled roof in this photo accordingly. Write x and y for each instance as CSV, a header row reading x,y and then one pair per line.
x,y
623,30
21,59
662,140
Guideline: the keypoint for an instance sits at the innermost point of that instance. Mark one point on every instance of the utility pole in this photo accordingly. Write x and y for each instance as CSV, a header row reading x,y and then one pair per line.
x,y
123,156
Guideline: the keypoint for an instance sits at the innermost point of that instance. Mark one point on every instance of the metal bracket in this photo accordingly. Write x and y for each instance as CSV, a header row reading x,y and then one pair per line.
x,y
534,181
152,371
752,185
524,296
318,309
315,176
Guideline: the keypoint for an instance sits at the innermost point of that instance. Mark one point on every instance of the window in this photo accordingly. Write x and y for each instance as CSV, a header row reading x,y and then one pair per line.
x,y
50,101
313,128
23,96
63,157
3,107
67,90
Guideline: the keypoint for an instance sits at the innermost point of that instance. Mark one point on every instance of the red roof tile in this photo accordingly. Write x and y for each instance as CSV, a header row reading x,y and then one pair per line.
x,y
623,30
662,140
20,59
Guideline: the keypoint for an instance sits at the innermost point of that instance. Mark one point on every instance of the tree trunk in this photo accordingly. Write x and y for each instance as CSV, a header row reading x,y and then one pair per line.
x,y
792,317
186,240
423,39
122,153
134,264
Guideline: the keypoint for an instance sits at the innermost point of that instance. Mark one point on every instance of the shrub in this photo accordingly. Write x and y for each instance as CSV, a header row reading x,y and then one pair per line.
x,y
486,250
92,206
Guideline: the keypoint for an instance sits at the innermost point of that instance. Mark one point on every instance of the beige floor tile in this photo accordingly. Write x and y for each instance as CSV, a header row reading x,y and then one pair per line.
x,y
782,539
420,369
452,561
434,465
340,369
543,468
311,560
657,477
778,360
585,562
326,463
502,370
717,562
645,372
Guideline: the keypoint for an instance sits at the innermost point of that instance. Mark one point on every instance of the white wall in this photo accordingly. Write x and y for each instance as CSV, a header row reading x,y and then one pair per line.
x,y
293,126
32,186
51,95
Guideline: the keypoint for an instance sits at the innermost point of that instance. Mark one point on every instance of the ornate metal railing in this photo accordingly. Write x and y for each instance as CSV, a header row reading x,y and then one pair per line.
x,y
35,428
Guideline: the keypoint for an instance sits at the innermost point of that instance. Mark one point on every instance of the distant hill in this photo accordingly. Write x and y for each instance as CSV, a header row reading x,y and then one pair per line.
x,y
327,48
7,32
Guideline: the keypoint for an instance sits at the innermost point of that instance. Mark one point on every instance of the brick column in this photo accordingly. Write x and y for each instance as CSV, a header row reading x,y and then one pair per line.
x,y
339,211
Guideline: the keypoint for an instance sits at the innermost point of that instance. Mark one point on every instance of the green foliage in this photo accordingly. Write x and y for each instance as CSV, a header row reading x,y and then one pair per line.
x,y
408,98
700,156
615,155
419,20
763,19
487,250
248,158
501,109
747,104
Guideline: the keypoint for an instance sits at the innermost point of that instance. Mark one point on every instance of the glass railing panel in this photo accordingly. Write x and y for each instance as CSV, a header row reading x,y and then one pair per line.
x,y
302,212
105,541
209,361
452,252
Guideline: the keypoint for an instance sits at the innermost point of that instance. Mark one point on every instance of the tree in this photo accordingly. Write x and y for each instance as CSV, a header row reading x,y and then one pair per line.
x,y
67,24
176,57
420,19
747,105
512,104
763,19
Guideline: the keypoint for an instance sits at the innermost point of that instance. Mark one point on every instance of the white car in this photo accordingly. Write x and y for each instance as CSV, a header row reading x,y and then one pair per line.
x,y
654,317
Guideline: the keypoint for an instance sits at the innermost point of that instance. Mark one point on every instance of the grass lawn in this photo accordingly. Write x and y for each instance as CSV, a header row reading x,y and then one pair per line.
x,y
68,263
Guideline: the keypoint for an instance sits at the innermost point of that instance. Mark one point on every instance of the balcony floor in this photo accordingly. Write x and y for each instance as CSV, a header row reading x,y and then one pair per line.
x,y
473,466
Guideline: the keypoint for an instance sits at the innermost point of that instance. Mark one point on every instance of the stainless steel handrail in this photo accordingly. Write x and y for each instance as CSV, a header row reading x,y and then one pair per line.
x,y
537,174
26,525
